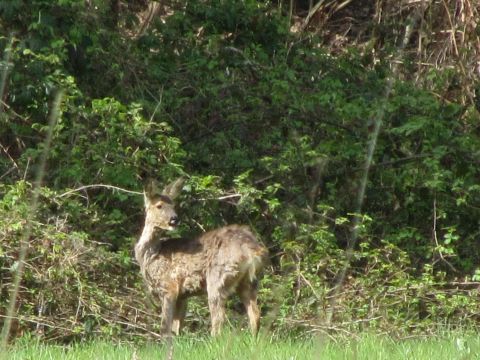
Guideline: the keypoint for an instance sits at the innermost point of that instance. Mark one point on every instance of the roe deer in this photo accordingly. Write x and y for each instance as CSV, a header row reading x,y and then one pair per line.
x,y
218,263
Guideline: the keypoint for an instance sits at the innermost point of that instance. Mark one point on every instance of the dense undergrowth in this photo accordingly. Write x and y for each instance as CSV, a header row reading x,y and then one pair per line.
x,y
226,95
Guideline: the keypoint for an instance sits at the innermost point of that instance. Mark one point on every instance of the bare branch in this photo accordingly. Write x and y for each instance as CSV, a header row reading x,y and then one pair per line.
x,y
99,186
225,197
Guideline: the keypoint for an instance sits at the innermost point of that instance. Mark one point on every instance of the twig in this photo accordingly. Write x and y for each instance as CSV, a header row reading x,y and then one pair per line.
x,y
5,105
464,283
305,280
7,172
248,62
159,103
34,320
130,324
7,55
397,161
434,233
99,186
311,13
225,197
26,168
199,225
452,31
322,326
8,155
259,181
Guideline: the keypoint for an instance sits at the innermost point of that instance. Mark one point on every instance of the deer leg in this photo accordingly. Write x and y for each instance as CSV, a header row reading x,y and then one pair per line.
x,y
248,294
168,309
179,315
216,303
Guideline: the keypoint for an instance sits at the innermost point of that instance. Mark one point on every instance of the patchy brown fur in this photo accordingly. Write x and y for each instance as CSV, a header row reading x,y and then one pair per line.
x,y
217,263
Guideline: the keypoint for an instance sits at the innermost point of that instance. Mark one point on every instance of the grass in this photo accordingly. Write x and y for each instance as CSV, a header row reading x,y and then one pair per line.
x,y
244,347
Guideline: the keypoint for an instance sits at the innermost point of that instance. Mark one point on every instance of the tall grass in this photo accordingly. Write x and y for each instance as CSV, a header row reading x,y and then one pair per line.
x,y
238,347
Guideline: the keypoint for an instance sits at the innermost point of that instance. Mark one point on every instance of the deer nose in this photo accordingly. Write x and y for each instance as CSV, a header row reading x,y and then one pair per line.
x,y
173,221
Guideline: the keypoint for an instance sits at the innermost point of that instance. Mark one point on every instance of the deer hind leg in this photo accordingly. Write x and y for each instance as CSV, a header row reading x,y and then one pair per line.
x,y
247,290
216,304
179,315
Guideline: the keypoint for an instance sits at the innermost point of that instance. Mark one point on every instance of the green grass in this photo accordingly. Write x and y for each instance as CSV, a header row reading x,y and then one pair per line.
x,y
244,347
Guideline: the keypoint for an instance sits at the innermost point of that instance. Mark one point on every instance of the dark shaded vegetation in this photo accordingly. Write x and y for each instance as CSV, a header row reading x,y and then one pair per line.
x,y
270,104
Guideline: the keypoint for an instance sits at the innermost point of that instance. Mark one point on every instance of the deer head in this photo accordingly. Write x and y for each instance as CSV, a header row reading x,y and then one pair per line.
x,y
159,206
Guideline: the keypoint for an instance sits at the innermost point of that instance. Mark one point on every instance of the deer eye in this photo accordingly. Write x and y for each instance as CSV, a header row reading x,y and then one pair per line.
x,y
159,205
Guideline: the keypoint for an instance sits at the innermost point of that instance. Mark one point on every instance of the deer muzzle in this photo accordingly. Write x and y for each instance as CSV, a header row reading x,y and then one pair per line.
x,y
174,221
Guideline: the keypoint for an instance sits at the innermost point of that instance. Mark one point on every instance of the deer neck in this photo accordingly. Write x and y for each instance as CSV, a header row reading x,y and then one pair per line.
x,y
146,246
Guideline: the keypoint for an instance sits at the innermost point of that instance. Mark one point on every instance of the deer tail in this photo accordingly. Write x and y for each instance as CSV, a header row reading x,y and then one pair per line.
x,y
256,263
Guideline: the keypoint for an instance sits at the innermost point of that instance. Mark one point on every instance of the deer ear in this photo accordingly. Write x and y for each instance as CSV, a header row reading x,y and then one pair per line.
x,y
173,189
150,190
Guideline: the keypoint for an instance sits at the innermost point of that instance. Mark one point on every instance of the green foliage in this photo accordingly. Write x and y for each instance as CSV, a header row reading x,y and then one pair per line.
x,y
72,286
270,129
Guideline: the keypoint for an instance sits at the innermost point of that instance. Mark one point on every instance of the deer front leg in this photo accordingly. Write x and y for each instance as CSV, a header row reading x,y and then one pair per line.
x,y
168,309
179,315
